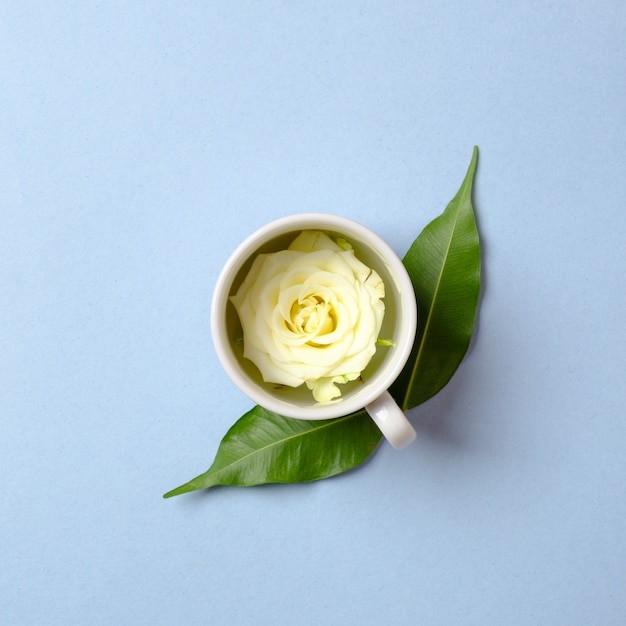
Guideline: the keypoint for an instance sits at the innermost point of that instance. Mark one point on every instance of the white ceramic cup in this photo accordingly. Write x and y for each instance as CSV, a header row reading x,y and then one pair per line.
x,y
399,326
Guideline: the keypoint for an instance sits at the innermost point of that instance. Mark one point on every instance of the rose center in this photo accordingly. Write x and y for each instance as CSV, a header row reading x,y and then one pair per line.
x,y
312,315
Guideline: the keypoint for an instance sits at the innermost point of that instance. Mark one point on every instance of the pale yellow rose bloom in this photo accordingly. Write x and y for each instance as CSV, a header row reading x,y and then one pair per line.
x,y
311,314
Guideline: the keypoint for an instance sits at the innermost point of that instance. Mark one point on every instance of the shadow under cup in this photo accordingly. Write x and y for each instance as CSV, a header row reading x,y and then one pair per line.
x,y
399,322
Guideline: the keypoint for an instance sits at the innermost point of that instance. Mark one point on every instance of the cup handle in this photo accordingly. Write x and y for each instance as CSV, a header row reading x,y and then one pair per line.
x,y
392,422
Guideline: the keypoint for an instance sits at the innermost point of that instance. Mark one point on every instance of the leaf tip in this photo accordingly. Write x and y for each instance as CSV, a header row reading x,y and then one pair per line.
x,y
474,159
186,488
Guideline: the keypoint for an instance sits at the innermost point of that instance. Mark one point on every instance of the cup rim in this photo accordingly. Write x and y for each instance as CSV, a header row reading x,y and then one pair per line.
x,y
380,381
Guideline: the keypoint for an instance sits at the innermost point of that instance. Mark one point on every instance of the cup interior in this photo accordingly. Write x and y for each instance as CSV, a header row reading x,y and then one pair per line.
x,y
398,325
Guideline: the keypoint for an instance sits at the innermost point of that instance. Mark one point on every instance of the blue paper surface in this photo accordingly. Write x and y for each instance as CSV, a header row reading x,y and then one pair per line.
x,y
141,142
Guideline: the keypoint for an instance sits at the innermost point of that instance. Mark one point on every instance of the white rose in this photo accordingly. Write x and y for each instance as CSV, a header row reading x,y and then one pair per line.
x,y
311,314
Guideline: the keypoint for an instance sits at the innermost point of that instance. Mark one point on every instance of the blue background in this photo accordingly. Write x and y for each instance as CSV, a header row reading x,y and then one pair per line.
x,y
142,141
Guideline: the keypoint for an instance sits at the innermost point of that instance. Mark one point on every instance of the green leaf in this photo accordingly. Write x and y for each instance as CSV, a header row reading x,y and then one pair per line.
x,y
262,447
444,265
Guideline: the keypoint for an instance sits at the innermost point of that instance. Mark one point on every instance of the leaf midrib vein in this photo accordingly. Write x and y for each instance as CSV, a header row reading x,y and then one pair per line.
x,y
432,306
303,433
